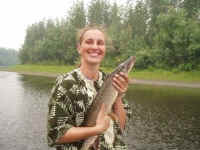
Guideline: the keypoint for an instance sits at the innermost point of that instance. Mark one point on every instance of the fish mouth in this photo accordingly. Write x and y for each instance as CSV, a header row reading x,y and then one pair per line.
x,y
130,63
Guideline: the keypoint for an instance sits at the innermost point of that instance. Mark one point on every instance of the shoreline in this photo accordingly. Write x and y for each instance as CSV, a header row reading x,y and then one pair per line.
x,y
132,81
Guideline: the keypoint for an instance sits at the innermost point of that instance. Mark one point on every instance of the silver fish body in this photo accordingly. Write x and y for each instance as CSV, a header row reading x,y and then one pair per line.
x,y
107,95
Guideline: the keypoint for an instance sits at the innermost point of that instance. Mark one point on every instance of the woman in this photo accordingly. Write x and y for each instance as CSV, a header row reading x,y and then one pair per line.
x,y
73,94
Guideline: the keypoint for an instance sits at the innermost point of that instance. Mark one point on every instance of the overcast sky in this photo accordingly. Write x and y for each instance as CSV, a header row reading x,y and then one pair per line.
x,y
17,15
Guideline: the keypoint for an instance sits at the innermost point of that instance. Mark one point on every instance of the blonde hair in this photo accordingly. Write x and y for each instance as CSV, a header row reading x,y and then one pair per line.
x,y
82,31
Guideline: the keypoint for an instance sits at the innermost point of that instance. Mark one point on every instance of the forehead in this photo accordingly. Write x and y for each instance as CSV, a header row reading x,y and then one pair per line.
x,y
94,34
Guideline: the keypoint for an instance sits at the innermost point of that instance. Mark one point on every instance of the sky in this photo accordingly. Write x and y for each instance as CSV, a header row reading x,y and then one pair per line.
x,y
17,15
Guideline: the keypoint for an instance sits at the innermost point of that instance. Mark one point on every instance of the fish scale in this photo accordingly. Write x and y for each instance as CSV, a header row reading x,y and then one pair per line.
x,y
107,96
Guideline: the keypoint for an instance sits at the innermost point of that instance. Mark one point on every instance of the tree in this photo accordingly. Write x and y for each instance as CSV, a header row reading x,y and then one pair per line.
x,y
177,40
158,32
8,57
99,12
192,7
77,15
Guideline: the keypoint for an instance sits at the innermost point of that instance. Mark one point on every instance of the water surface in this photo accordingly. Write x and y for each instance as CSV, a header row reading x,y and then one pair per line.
x,y
163,118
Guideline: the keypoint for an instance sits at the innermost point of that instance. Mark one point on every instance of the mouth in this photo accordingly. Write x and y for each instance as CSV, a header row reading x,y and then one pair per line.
x,y
95,53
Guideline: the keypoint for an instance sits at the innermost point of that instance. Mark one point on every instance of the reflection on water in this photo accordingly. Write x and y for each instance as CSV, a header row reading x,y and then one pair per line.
x,y
23,112
163,118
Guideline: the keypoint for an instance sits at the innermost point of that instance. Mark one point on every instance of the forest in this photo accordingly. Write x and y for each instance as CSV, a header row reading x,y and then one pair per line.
x,y
8,57
162,34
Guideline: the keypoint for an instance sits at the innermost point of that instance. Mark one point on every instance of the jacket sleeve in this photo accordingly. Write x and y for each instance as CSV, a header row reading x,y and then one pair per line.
x,y
61,112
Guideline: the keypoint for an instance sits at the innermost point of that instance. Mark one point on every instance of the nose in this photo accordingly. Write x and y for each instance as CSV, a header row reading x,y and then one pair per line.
x,y
95,45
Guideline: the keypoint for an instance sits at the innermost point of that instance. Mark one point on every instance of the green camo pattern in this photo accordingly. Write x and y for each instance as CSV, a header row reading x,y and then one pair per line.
x,y
70,100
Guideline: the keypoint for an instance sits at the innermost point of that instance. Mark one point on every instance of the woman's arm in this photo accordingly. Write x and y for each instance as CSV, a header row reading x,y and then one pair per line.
x,y
80,133
120,112
120,82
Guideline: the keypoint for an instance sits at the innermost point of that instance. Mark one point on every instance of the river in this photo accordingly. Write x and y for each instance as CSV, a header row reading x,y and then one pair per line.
x,y
163,118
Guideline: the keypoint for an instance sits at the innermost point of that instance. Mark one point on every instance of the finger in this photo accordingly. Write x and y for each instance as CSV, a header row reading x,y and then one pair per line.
x,y
118,88
121,84
124,76
121,79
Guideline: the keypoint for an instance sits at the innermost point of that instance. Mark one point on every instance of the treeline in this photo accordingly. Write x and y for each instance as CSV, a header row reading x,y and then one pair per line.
x,y
160,33
8,57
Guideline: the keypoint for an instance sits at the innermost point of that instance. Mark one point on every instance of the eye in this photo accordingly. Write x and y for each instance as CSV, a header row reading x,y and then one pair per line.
x,y
100,42
89,41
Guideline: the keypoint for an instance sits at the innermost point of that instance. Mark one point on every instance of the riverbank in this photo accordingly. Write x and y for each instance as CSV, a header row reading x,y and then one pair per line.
x,y
154,77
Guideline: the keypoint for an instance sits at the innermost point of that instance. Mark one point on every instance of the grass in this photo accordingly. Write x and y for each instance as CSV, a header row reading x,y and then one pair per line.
x,y
161,75
54,69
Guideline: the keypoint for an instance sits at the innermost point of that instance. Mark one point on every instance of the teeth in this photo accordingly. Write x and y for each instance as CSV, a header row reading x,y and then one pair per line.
x,y
94,54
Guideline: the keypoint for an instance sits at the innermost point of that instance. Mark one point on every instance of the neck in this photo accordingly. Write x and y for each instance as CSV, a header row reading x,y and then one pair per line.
x,y
91,72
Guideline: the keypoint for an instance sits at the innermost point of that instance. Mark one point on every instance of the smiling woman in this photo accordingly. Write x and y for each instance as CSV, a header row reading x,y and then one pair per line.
x,y
74,93
92,49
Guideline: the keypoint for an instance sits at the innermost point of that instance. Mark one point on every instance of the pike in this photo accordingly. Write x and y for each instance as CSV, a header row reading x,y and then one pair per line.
x,y
107,95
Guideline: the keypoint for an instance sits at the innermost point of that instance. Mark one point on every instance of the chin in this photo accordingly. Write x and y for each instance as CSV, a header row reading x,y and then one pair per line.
x,y
95,60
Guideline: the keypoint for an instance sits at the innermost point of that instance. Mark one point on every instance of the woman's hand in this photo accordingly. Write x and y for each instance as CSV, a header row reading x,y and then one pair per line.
x,y
120,82
103,121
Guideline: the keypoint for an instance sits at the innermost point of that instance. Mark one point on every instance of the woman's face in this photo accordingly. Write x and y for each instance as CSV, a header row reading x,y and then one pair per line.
x,y
92,48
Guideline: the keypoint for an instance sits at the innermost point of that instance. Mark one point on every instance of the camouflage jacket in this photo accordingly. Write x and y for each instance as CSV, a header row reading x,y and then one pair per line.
x,y
70,99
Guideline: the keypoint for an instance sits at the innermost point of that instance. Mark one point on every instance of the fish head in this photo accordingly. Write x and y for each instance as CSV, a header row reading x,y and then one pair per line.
x,y
127,65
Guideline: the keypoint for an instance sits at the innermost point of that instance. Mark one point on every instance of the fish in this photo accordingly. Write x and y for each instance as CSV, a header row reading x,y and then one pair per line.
x,y
106,95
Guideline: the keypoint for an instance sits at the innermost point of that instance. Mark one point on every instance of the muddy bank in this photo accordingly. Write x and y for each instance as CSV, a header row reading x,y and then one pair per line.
x,y
132,81
165,83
